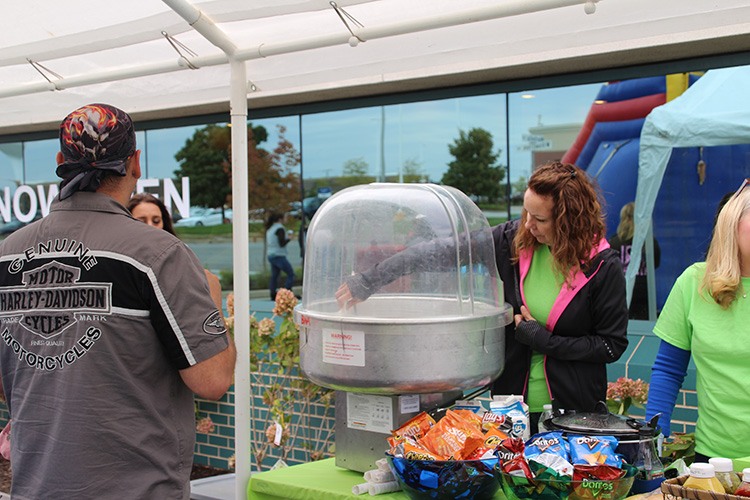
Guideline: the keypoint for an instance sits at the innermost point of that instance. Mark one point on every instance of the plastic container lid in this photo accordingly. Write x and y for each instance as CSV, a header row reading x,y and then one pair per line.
x,y
603,423
359,227
722,464
702,470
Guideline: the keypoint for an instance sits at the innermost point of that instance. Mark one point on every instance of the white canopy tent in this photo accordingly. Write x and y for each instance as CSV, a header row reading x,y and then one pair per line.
x,y
170,59
714,111
298,50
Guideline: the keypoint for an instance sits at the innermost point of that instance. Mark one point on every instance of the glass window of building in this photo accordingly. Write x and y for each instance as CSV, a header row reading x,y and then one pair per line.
x,y
11,176
544,124
274,186
395,143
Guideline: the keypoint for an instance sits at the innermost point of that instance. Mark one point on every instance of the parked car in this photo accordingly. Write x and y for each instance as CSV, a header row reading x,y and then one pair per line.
x,y
9,227
311,205
295,209
202,216
14,224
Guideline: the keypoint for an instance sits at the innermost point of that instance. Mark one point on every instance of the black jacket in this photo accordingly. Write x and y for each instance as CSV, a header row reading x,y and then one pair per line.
x,y
591,332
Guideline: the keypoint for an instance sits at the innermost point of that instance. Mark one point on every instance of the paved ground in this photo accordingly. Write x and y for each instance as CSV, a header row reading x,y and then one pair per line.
x,y
217,255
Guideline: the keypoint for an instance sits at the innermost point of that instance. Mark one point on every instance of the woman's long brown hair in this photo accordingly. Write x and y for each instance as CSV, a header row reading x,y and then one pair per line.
x,y
577,218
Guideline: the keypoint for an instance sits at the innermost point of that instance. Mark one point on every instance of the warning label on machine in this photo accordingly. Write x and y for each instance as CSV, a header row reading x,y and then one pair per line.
x,y
367,412
343,347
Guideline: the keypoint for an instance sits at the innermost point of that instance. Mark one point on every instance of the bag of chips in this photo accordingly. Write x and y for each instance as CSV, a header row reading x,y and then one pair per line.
x,y
416,427
453,436
509,449
594,450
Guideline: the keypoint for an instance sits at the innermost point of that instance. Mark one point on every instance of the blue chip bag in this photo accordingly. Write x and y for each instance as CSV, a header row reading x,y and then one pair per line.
x,y
594,450
547,442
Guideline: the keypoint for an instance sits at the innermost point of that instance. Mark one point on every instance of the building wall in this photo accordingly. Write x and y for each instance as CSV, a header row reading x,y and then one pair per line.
x,y
636,363
215,449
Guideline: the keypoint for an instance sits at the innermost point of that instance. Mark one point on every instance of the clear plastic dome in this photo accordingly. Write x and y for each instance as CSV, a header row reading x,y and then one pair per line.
x,y
362,226
419,261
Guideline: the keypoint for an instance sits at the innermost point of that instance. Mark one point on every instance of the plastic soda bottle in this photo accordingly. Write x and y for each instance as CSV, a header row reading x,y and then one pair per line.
x,y
724,468
703,477
546,414
743,489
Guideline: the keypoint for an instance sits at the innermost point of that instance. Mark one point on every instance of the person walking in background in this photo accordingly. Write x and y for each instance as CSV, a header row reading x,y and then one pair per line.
x,y
706,317
565,285
622,242
108,331
149,209
276,242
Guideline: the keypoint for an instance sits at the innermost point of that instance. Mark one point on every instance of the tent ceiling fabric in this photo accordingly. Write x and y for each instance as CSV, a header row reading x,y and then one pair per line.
x,y
80,38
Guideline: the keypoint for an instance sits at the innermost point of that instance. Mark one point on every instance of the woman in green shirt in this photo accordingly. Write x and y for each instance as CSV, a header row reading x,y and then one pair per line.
x,y
706,317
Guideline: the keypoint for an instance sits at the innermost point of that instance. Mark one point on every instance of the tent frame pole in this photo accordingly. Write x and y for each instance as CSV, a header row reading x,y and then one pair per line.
x,y
240,237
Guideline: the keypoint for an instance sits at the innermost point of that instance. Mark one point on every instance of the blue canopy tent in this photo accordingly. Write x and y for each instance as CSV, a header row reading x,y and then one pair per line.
x,y
715,111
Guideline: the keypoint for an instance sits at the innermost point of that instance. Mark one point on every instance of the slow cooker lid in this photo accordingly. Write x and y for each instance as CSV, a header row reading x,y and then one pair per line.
x,y
602,422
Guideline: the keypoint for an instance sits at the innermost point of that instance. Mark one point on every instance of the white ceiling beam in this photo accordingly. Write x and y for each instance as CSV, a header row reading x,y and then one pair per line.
x,y
499,10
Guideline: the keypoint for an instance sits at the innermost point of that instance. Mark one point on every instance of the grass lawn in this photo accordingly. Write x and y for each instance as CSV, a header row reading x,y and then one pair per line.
x,y
208,232
494,221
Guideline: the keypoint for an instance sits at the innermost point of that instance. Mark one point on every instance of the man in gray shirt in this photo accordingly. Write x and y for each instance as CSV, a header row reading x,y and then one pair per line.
x,y
107,329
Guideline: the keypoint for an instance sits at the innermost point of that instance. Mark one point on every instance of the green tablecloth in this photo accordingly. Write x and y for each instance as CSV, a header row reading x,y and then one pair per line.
x,y
311,481
320,480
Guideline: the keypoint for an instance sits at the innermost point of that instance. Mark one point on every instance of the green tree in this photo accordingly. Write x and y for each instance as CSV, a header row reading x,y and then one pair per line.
x,y
354,172
518,187
273,178
203,158
355,167
475,171
273,181
411,171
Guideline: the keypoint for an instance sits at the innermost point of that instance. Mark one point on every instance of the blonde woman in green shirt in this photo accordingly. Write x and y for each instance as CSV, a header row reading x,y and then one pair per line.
x,y
706,317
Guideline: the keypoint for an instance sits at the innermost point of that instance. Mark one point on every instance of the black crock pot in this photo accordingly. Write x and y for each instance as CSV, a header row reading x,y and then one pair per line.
x,y
630,433
601,422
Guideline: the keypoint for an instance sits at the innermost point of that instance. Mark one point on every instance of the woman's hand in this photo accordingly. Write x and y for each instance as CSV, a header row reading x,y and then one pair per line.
x,y
344,297
529,332
524,316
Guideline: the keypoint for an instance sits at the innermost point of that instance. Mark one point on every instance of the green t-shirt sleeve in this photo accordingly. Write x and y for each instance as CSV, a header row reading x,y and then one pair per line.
x,y
674,324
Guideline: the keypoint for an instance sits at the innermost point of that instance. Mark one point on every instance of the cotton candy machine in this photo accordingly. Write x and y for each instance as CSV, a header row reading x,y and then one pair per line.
x,y
433,320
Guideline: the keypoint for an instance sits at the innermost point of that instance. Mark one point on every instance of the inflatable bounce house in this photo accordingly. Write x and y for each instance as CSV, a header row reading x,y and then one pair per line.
x,y
694,182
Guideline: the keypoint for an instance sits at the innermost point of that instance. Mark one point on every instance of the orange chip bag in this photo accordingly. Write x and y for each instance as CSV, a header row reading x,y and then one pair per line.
x,y
453,437
471,417
392,442
416,452
415,427
494,437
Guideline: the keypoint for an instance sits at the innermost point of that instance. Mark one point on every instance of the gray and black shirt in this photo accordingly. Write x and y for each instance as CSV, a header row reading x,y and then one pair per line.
x,y
98,312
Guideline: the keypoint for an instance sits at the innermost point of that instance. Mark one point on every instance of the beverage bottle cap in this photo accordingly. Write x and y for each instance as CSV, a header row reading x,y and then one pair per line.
x,y
721,464
702,470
